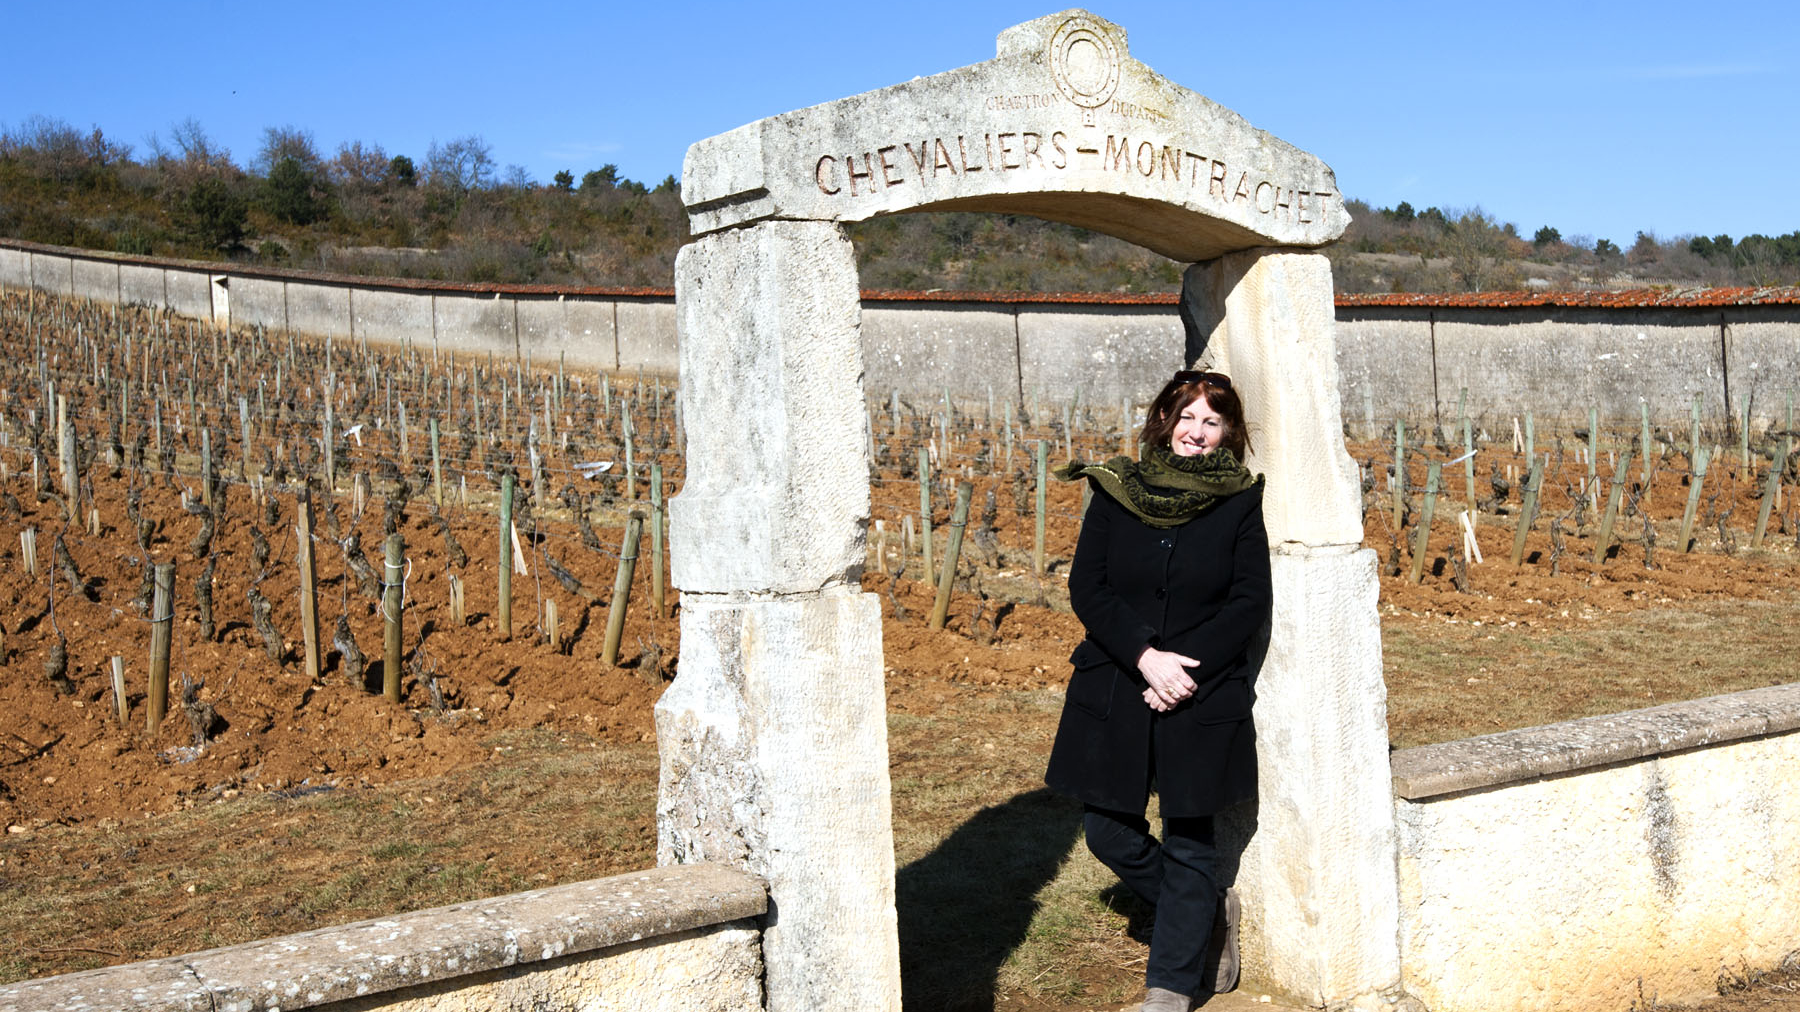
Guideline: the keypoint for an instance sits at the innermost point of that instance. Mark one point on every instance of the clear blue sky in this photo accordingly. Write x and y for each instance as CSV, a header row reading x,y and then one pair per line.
x,y
1598,118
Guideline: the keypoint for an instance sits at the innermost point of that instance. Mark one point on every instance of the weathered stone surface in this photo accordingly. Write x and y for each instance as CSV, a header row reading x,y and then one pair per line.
x,y
1568,893
189,293
442,947
1528,753
777,490
475,322
258,302
15,269
647,338
51,273
327,309
95,279
577,332
388,315
1104,353
161,985
1107,352
774,756
138,284
1264,317
711,970
1317,877
1061,124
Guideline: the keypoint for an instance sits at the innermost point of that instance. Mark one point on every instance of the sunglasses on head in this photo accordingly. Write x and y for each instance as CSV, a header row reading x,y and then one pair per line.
x,y
1217,379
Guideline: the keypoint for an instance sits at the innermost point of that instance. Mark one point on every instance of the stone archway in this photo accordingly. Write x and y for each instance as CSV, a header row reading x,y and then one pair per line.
x,y
773,738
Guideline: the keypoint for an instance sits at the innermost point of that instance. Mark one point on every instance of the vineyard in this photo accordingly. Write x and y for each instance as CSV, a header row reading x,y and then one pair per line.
x,y
243,564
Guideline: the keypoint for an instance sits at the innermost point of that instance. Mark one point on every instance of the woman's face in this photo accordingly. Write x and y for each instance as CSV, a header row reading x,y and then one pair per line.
x,y
1198,429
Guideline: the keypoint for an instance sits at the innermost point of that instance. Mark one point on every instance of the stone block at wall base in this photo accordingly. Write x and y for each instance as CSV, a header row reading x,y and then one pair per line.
x,y
774,757
1316,873
1570,892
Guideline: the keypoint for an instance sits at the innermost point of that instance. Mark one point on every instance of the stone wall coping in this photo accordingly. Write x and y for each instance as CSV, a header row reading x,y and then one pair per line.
x,y
386,953
1494,760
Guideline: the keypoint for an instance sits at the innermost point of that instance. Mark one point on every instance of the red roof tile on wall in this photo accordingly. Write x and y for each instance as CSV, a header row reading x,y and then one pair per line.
x,y
1678,298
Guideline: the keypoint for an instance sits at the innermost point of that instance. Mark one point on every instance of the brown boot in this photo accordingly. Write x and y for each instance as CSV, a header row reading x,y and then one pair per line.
x,y
1222,950
1159,999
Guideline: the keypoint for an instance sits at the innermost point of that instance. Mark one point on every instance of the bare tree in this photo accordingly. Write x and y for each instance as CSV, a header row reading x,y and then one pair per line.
x,y
460,164
194,149
283,142
359,167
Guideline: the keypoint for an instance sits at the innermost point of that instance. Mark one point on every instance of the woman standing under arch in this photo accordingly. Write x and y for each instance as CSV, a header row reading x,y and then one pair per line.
x,y
1171,582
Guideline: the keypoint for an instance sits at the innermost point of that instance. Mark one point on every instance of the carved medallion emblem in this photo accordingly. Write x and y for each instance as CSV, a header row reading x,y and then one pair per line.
x,y
1084,62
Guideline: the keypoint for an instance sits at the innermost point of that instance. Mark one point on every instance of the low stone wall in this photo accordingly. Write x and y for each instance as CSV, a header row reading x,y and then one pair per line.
x,y
537,321
1406,361
678,939
1568,866
1559,361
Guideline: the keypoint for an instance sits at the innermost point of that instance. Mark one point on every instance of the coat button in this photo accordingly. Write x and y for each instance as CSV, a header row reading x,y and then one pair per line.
x,y
1161,593
1167,542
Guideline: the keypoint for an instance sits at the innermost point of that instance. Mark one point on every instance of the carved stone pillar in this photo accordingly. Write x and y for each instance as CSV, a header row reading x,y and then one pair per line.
x,y
1318,872
774,735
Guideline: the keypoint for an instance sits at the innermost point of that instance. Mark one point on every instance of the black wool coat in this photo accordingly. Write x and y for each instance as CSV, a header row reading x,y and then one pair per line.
x,y
1200,589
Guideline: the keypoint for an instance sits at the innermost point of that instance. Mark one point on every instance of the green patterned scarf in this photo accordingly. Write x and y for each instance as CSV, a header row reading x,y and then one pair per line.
x,y
1162,488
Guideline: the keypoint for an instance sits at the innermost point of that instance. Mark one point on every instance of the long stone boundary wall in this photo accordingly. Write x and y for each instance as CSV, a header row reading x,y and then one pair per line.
x,y
1408,361
1570,866
678,939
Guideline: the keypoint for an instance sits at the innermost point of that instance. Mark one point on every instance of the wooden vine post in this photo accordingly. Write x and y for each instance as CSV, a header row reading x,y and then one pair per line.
x,y
1527,510
1043,499
1468,434
65,453
330,440
1422,539
959,519
1613,501
1694,465
925,509
1770,492
393,587
162,626
621,595
1399,475
1693,502
656,538
206,468
504,608
1593,457
309,587
437,468
118,690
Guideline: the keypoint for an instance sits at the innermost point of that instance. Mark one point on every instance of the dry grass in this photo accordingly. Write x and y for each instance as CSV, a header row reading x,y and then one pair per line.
x,y
560,809
1450,679
999,903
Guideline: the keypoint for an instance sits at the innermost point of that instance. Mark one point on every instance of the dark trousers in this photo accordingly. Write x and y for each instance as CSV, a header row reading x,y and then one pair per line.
x,y
1178,876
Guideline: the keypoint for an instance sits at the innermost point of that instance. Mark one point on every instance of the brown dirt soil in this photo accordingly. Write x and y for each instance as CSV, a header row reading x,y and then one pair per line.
x,y
517,727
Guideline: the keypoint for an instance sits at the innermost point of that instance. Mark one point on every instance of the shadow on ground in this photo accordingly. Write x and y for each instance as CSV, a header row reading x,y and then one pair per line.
x,y
965,906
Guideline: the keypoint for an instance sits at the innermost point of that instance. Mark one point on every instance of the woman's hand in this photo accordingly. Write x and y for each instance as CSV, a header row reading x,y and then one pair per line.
x,y
1167,676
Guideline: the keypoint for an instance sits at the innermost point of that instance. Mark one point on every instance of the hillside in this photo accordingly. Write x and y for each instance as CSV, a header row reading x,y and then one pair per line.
x,y
452,216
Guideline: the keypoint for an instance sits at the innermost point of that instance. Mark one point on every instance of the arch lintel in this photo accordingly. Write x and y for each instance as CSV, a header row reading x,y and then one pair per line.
x,y
1063,124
